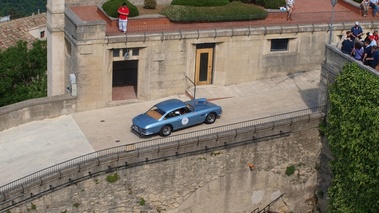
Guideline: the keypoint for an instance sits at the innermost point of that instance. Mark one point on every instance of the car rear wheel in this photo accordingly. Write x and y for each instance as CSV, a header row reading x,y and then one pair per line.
x,y
211,118
166,130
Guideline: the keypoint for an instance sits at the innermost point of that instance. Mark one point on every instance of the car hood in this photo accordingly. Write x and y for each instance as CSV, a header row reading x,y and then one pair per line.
x,y
143,120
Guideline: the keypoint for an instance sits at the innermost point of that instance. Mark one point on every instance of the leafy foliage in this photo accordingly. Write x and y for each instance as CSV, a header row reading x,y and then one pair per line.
x,y
113,178
111,6
202,3
270,4
234,11
150,4
23,72
352,129
290,170
21,8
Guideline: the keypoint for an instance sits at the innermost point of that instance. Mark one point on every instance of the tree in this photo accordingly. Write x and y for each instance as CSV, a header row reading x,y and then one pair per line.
x,y
23,72
352,130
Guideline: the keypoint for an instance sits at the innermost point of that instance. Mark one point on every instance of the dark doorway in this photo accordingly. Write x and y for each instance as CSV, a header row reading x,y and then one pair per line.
x,y
124,80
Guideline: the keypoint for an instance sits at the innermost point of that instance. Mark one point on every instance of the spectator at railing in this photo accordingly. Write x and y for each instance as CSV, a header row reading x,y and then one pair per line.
x,y
367,52
372,40
376,36
367,38
374,59
357,31
347,44
358,51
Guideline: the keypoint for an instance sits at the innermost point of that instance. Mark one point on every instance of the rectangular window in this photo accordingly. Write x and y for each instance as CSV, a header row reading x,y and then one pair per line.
x,y
42,34
116,53
135,51
280,44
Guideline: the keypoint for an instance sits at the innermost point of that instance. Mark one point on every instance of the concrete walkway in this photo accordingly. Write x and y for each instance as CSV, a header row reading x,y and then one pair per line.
x,y
36,145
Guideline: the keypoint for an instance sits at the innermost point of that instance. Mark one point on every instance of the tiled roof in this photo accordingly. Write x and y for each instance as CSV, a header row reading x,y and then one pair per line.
x,y
18,29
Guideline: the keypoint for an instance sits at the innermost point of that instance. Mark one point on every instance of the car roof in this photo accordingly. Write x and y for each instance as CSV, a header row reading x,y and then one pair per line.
x,y
170,104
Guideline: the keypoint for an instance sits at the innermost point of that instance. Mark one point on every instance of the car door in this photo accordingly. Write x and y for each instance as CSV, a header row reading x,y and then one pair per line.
x,y
175,118
190,117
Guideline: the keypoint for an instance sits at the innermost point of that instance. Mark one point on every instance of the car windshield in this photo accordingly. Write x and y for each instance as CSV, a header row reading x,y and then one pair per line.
x,y
189,106
155,112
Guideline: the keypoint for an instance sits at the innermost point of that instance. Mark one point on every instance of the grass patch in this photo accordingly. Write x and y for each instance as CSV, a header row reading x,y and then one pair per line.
x,y
142,202
33,207
216,153
113,178
234,11
290,170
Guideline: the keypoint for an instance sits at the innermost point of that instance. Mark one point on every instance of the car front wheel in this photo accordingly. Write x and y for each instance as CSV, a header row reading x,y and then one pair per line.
x,y
165,130
211,118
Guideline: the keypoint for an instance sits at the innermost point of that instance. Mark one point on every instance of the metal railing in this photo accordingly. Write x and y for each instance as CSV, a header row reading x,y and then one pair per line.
x,y
71,170
266,209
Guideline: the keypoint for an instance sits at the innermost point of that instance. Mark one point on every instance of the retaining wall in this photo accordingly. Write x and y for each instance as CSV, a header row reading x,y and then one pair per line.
x,y
49,183
36,109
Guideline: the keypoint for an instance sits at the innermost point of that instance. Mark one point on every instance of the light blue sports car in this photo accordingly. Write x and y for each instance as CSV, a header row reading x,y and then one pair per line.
x,y
174,114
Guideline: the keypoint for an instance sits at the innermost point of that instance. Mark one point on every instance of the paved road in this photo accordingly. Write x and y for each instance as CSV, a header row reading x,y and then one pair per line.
x,y
36,145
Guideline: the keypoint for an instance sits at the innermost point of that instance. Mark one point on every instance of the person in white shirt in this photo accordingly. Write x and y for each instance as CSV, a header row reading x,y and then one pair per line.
x,y
290,4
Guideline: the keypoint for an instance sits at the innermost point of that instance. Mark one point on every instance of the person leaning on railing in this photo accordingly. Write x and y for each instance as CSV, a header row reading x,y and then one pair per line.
x,y
347,44
357,51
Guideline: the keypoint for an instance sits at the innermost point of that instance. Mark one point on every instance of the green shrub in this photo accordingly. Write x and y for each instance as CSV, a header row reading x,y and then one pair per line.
x,y
111,6
234,11
200,3
352,130
113,178
290,170
271,4
150,4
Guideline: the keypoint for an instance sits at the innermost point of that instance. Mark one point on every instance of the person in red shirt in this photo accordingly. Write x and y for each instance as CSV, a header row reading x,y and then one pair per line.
x,y
123,12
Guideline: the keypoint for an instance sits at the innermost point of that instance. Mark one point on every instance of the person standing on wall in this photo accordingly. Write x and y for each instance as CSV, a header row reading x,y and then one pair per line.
x,y
123,12
290,4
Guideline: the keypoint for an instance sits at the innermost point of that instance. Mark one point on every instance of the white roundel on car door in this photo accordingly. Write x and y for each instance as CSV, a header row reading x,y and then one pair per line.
x,y
184,121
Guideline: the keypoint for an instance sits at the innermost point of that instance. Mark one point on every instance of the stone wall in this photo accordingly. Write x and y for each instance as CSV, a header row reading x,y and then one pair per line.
x,y
205,174
36,109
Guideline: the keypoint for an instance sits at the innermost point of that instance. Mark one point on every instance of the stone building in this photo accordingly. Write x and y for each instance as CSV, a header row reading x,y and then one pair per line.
x,y
25,29
86,50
